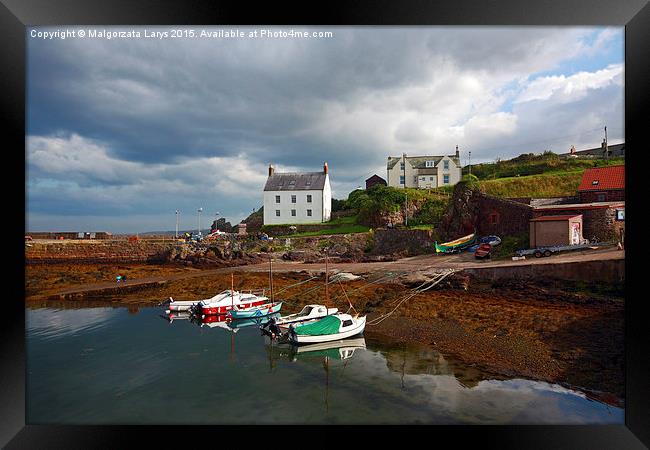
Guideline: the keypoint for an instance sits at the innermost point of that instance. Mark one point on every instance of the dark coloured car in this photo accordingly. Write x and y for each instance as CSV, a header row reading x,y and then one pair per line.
x,y
483,251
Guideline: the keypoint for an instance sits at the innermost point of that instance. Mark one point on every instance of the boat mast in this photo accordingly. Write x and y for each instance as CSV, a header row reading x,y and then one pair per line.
x,y
232,290
271,276
327,295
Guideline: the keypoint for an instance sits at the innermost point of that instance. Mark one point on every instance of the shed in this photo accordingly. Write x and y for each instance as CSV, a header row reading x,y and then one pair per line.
x,y
556,230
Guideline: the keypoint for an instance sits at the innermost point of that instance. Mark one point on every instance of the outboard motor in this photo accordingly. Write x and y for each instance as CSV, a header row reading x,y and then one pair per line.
x,y
271,329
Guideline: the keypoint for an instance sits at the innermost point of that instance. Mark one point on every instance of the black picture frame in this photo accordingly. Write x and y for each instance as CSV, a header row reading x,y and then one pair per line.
x,y
15,15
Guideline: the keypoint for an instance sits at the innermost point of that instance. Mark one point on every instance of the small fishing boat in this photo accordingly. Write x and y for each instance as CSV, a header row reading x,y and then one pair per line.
x,y
456,245
330,328
239,312
227,300
308,313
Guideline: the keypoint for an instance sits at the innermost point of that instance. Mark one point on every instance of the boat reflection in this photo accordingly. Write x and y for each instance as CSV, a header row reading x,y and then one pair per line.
x,y
335,350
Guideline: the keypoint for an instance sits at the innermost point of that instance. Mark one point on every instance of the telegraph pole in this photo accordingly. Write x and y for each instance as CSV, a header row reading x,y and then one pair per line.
x,y
177,213
606,148
470,164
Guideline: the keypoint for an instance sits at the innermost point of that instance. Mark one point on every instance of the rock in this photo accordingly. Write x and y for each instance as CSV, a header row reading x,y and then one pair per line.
x,y
344,276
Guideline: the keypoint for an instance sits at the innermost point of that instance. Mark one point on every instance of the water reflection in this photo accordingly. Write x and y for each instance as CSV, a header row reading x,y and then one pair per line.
x,y
126,363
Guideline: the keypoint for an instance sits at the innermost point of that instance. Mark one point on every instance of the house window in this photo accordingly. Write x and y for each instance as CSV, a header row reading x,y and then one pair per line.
x,y
277,213
292,183
429,163
309,212
293,199
277,199
620,214
422,178
445,179
601,197
401,179
401,166
308,198
446,165
430,178
494,218
293,212
415,179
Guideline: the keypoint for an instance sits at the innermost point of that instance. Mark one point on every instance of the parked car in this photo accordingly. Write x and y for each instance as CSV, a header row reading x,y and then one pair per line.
x,y
28,238
483,251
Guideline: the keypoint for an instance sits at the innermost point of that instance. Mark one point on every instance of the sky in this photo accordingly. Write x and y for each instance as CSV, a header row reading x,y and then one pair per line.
x,y
122,132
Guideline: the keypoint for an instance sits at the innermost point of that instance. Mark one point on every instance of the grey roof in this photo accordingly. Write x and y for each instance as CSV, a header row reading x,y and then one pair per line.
x,y
419,162
295,181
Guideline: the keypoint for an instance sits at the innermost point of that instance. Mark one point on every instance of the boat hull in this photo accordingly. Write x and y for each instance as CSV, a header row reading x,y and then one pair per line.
x,y
218,310
458,244
257,312
312,339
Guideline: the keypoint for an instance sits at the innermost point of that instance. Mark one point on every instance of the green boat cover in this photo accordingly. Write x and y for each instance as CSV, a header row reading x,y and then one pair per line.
x,y
327,325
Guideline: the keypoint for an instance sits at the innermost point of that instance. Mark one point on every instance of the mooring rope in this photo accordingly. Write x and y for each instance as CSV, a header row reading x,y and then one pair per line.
x,y
417,291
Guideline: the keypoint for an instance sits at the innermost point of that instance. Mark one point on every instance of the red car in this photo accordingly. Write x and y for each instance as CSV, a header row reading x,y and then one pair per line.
x,y
483,251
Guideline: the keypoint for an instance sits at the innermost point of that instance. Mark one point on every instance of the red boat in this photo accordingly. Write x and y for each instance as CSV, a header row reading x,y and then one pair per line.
x,y
226,300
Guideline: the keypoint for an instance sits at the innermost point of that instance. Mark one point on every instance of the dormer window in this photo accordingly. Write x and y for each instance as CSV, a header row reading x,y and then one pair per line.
x,y
292,183
429,163
594,183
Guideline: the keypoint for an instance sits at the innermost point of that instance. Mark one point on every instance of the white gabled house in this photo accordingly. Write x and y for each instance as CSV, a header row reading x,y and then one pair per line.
x,y
297,197
424,172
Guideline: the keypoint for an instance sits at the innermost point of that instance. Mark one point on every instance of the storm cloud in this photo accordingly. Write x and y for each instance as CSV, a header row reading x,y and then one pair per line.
x,y
141,127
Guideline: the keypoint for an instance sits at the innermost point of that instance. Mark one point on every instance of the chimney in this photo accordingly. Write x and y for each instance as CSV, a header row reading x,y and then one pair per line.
x,y
271,169
457,154
325,167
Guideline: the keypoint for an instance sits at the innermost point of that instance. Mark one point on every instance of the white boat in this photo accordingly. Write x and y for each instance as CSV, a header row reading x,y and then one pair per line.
x,y
226,300
330,328
183,305
308,313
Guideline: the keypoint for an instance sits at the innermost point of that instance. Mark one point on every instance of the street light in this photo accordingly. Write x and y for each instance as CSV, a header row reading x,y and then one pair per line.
x,y
200,210
177,214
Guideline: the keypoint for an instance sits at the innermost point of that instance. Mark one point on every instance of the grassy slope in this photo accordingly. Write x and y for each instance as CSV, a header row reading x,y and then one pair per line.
x,y
535,186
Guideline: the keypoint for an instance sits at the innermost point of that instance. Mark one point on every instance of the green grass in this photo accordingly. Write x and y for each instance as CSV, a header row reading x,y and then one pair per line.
x,y
509,244
343,229
535,186
424,226
530,164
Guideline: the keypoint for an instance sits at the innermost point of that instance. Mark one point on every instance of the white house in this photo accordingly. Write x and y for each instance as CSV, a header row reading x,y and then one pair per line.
x,y
424,172
297,197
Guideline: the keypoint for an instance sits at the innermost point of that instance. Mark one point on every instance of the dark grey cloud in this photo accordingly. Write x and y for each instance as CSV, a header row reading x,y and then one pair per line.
x,y
161,123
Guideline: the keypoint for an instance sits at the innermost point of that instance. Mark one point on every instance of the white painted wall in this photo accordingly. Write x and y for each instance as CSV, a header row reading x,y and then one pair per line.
x,y
413,180
321,206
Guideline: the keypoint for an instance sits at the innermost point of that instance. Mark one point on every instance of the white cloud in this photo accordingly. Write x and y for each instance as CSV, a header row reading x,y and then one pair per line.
x,y
572,87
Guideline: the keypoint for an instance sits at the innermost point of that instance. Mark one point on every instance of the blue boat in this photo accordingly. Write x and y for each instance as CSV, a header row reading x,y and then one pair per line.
x,y
255,311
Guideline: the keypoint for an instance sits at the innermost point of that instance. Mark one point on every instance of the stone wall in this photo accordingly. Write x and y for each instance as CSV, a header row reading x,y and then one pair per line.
x,y
470,210
108,251
616,195
606,271
404,242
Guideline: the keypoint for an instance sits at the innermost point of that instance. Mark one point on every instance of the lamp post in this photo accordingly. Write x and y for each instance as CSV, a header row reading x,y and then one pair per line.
x,y
177,213
200,210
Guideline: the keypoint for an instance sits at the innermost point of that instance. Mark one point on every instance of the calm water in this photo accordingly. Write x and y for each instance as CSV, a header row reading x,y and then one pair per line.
x,y
112,365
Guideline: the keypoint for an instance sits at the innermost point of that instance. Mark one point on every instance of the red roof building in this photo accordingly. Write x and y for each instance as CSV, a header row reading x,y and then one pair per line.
x,y
602,184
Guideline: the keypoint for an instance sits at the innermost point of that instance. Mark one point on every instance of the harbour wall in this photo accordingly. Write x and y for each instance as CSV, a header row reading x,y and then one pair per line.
x,y
97,252
606,271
